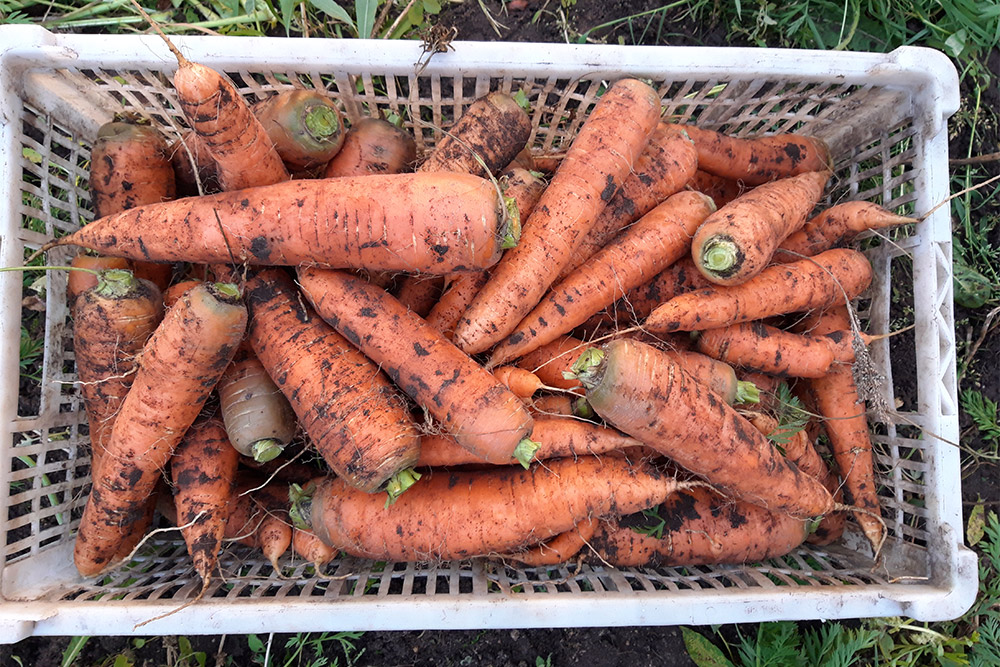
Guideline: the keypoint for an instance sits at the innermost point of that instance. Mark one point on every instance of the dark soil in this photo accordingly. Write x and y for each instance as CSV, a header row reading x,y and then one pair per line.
x,y
543,21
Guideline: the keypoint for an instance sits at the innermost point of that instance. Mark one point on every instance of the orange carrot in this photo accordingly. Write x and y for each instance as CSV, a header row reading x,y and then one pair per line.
x,y
699,527
203,470
129,167
666,164
558,437
420,293
352,414
180,365
835,226
111,323
195,171
522,382
177,290
846,426
658,239
560,548
766,349
304,126
599,159
829,278
472,405
736,242
500,511
548,362
410,226
80,281
758,160
310,548
373,146
642,393
721,190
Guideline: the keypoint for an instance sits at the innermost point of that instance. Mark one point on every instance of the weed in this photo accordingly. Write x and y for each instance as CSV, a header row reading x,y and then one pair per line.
x,y
73,650
32,348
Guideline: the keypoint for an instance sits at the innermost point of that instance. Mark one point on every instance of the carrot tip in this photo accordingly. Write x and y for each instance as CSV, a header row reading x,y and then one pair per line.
x,y
399,483
266,449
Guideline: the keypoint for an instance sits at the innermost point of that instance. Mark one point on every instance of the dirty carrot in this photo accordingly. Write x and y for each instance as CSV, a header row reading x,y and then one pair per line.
x,y
305,127
758,160
599,159
767,349
129,167
469,403
835,226
373,146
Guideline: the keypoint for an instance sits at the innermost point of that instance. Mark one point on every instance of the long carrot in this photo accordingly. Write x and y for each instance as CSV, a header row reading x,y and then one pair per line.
x,y
696,527
758,160
667,163
437,223
499,511
203,471
111,323
736,242
767,349
599,159
658,239
835,226
350,411
826,279
180,365
642,393
473,406
721,190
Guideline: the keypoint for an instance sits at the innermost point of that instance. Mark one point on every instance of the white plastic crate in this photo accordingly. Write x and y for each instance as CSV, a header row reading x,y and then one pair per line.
x,y
885,119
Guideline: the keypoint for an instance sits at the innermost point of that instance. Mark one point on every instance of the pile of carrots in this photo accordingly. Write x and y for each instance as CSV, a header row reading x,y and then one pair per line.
x,y
637,352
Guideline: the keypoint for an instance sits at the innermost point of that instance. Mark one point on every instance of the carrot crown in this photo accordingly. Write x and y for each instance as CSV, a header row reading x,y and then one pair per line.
x,y
114,283
721,256
227,292
300,505
398,483
322,122
588,368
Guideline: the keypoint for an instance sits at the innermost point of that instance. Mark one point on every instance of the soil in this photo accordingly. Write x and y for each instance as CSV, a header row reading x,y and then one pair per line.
x,y
546,21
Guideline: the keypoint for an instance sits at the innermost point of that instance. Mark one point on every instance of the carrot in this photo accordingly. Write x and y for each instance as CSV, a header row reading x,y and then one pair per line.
x,y
258,418
758,160
274,535
80,281
551,405
438,223
129,167
558,437
846,426
658,239
373,146
633,387
736,242
549,362
499,511
243,152
599,159
524,188
195,171
766,349
523,383
352,414
835,226
487,137
304,126
721,190
180,365
203,470
799,450
420,293
111,323
523,160
666,164
560,548
177,290
829,278
310,548
472,405
696,527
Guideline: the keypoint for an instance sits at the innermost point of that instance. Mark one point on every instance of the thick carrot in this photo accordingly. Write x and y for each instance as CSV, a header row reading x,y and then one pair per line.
x,y
236,140
129,167
721,190
111,323
499,511
558,436
635,388
524,188
736,242
666,164
305,127
78,282
258,418
846,426
471,405
437,223
699,527
203,471
835,226
180,365
831,277
487,137
767,349
758,160
373,146
649,246
559,549
599,159
352,414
